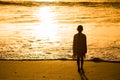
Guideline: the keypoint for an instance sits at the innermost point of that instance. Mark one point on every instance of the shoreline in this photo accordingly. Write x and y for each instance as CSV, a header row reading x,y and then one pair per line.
x,y
96,60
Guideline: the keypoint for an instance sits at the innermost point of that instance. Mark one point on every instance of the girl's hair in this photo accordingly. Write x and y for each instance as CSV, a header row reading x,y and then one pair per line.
x,y
80,28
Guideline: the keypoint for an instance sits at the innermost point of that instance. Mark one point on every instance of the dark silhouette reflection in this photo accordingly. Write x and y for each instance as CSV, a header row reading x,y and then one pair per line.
x,y
82,75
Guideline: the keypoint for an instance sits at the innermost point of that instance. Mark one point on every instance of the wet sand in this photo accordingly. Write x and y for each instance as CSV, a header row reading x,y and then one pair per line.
x,y
58,70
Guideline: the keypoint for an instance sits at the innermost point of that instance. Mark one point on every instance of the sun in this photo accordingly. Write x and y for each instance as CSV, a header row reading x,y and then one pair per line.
x,y
46,29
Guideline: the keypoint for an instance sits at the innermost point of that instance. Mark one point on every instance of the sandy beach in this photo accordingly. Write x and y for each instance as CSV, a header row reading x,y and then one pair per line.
x,y
58,70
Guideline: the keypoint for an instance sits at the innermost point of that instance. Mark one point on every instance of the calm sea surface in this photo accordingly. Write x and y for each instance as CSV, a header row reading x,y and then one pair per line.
x,y
39,30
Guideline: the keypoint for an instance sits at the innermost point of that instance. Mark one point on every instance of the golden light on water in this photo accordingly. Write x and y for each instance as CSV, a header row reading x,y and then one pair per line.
x,y
46,29
46,0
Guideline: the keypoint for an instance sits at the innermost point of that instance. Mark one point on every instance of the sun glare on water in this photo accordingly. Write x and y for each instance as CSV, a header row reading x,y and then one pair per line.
x,y
45,0
46,29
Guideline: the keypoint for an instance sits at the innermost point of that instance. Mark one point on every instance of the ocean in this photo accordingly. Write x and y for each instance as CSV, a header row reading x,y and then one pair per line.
x,y
44,30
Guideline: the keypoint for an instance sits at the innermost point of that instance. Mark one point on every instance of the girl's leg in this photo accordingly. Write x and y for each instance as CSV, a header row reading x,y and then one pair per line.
x,y
82,62
78,64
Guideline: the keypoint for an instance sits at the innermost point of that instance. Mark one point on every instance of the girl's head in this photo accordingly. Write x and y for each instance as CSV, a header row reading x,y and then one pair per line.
x,y
80,28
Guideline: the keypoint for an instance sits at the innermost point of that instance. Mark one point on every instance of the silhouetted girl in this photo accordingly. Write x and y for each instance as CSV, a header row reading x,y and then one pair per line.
x,y
79,47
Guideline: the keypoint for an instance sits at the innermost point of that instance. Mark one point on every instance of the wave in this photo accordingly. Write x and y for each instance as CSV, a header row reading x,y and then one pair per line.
x,y
89,4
